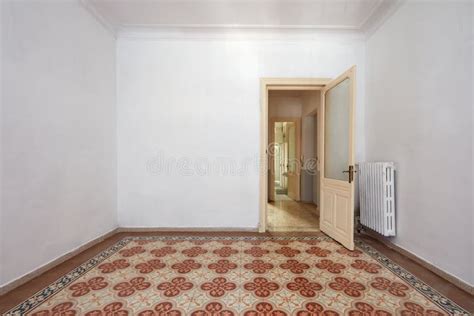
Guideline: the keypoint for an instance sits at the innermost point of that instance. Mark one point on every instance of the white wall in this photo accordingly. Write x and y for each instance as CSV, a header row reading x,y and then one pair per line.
x,y
419,114
472,145
58,132
188,98
1,139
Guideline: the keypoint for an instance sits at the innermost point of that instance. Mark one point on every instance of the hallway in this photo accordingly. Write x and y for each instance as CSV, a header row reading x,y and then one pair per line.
x,y
285,214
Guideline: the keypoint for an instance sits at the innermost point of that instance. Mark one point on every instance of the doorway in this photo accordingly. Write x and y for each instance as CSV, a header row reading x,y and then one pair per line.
x,y
292,204
333,109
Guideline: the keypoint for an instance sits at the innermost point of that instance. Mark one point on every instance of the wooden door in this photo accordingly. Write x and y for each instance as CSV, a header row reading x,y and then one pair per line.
x,y
337,159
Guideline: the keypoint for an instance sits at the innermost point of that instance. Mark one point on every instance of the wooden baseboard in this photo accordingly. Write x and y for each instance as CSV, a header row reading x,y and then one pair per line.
x,y
33,274
443,274
27,277
185,229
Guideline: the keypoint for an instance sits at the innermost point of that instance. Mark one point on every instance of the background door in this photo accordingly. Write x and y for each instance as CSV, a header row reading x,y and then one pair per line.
x,y
337,159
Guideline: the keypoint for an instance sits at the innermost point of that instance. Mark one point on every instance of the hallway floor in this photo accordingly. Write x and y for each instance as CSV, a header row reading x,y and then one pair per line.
x,y
285,214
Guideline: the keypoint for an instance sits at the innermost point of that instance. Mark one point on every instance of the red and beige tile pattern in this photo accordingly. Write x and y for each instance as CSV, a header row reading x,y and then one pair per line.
x,y
237,276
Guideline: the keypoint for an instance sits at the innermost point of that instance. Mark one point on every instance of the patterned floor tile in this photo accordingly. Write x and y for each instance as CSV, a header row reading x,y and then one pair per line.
x,y
237,276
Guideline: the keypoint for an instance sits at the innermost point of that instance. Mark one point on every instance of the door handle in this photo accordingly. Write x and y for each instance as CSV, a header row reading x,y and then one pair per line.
x,y
351,172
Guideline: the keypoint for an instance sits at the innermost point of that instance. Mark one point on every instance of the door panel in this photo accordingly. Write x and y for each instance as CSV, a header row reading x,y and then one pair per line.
x,y
327,202
342,207
336,133
337,145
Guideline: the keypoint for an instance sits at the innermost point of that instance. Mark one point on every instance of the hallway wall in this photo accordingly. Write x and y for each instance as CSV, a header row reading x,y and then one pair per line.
x,y
419,114
317,173
281,105
311,104
308,152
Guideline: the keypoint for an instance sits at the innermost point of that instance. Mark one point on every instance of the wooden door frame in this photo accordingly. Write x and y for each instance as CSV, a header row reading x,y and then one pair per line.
x,y
267,84
297,121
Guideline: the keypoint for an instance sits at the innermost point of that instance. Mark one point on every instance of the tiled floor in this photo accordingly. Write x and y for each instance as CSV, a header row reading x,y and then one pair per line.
x,y
193,275
285,214
23,292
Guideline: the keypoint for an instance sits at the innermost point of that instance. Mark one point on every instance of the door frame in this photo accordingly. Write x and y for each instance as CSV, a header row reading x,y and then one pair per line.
x,y
297,122
267,84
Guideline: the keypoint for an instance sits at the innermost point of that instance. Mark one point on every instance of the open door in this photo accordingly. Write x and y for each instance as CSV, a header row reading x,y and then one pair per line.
x,y
337,159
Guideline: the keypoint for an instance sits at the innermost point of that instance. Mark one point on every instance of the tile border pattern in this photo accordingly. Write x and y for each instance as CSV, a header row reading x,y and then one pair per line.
x,y
441,273
441,301
48,266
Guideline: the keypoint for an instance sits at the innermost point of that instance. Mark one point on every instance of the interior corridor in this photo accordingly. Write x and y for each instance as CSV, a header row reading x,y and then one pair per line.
x,y
293,181
285,214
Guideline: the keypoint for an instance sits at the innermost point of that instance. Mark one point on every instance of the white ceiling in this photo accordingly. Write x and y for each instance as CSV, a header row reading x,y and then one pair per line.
x,y
304,14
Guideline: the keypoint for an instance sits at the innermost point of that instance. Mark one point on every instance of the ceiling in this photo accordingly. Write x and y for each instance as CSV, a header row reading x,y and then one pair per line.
x,y
291,14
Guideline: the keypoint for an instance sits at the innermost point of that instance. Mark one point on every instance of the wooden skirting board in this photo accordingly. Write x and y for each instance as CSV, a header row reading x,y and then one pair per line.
x,y
448,277
33,274
185,229
27,277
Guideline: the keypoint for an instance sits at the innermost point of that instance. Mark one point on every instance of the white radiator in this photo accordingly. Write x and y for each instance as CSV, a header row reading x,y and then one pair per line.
x,y
377,196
